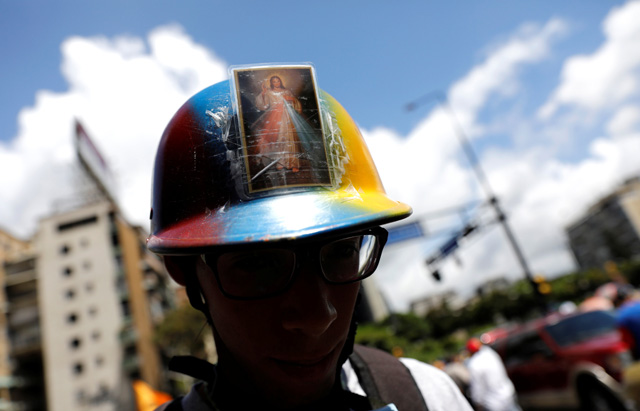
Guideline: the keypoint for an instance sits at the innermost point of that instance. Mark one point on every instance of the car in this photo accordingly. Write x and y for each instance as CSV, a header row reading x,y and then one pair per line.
x,y
566,361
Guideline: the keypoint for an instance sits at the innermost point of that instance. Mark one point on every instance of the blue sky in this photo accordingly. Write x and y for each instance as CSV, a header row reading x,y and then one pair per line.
x,y
358,47
548,93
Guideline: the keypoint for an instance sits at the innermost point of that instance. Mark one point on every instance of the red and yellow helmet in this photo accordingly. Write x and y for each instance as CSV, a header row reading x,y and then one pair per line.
x,y
232,169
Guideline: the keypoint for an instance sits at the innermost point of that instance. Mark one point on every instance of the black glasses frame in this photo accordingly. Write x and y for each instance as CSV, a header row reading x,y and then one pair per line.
x,y
312,247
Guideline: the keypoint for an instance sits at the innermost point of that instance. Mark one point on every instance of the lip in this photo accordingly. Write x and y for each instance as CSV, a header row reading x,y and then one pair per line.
x,y
308,367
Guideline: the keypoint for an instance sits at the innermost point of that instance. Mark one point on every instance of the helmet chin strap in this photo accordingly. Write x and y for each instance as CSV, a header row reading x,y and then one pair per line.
x,y
196,299
347,350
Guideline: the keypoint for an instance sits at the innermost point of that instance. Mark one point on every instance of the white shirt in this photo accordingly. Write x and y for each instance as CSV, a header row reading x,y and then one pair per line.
x,y
438,389
490,386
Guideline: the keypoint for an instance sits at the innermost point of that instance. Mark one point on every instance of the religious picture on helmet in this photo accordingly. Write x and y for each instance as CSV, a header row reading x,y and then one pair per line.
x,y
281,127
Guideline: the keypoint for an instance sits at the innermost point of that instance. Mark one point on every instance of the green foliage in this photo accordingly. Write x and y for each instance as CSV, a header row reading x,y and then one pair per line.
x,y
181,332
409,326
631,270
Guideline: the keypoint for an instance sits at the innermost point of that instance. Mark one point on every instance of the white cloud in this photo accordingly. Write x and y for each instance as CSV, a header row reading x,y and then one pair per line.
x,y
625,120
608,76
124,93
540,192
497,74
125,90
423,169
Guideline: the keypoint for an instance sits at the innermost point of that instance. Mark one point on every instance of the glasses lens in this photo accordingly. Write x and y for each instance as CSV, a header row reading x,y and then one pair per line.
x,y
349,259
253,274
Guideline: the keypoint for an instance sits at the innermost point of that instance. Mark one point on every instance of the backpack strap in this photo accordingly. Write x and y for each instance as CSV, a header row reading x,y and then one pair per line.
x,y
386,380
193,367
173,405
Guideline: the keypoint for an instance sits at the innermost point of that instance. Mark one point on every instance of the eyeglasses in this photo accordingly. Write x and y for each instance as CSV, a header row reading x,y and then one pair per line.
x,y
264,271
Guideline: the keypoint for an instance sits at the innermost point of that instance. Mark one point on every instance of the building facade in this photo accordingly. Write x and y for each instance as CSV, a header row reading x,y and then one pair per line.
x,y
11,249
609,230
82,308
23,331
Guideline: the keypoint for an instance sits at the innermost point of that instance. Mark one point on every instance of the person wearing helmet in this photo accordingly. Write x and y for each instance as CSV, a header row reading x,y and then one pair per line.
x,y
490,387
272,249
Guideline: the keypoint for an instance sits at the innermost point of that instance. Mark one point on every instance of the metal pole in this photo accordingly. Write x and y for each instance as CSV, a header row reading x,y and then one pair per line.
x,y
493,200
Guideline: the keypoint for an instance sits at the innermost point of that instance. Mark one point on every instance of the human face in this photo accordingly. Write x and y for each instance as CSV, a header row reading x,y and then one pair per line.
x,y
288,345
275,82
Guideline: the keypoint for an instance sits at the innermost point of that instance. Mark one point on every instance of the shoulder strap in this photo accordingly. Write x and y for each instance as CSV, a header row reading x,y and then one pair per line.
x,y
193,367
386,380
173,405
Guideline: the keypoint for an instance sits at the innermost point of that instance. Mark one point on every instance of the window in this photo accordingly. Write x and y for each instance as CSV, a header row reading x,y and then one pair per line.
x,y
582,327
522,347
65,249
72,318
95,335
75,343
67,271
70,294
78,368
77,223
125,308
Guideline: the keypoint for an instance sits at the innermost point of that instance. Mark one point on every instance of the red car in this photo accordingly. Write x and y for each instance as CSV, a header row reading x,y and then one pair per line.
x,y
573,361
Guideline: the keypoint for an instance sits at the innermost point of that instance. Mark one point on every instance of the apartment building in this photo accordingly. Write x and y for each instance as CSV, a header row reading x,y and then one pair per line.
x,y
81,313
610,229
11,248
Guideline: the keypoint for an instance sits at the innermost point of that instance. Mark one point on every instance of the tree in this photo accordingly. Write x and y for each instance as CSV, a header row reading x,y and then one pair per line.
x,y
409,326
181,332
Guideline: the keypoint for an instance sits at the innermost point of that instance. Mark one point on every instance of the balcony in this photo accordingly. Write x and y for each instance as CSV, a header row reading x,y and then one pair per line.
x,y
128,336
21,277
21,317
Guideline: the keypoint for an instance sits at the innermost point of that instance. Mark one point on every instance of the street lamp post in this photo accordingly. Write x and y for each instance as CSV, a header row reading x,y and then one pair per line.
x,y
493,200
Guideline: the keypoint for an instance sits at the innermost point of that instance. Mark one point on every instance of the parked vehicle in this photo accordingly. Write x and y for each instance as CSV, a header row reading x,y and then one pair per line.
x,y
573,361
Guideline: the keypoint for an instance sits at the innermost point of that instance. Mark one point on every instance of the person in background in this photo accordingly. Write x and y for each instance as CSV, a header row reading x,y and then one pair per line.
x,y
627,303
459,373
490,388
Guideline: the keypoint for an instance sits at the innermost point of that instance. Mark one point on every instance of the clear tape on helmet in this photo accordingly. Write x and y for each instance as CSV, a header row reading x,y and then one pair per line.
x,y
286,138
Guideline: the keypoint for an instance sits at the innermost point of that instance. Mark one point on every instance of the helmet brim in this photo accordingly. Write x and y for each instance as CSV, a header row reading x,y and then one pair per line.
x,y
278,218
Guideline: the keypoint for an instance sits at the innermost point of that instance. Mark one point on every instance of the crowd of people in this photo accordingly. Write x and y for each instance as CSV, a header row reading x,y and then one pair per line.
x,y
480,374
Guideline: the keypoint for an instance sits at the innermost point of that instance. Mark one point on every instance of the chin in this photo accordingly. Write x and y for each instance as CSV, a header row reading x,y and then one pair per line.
x,y
296,388
293,398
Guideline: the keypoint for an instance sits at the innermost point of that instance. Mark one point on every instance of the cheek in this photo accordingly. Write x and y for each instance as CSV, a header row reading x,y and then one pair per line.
x,y
343,298
231,317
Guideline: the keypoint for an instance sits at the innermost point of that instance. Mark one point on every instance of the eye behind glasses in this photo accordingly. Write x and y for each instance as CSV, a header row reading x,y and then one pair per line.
x,y
266,271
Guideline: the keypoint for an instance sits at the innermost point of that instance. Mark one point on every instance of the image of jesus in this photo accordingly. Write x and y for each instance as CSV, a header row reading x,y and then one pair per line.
x,y
275,131
281,128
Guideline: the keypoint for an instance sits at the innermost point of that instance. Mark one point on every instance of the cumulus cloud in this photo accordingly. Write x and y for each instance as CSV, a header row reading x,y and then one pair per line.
x,y
424,168
606,77
123,90
540,192
498,73
625,120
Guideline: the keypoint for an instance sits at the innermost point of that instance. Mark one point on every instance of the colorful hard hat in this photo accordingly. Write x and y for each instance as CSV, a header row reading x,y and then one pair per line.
x,y
258,159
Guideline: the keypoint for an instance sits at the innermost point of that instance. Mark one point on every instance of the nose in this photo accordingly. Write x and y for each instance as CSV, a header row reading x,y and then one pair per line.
x,y
307,306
